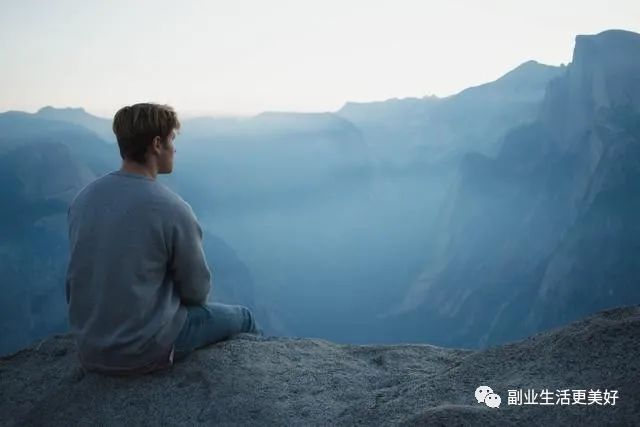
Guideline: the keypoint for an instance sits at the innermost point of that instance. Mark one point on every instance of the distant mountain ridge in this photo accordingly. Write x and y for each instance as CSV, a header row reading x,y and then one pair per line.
x,y
431,129
78,116
544,233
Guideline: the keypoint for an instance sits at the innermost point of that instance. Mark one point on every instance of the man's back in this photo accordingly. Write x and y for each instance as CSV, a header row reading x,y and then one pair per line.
x,y
135,259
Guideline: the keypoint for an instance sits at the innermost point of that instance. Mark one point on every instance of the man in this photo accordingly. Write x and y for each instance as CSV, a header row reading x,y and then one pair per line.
x,y
137,280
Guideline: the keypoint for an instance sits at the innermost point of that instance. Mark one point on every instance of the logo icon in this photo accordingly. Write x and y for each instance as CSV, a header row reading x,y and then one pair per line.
x,y
484,394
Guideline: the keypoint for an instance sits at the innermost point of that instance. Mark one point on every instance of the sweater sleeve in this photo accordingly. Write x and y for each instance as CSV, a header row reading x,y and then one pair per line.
x,y
187,263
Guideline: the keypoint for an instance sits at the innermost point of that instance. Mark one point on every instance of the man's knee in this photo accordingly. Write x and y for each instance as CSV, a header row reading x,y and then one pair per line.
x,y
250,324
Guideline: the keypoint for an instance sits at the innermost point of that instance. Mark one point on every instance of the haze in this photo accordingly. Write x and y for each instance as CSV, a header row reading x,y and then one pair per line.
x,y
244,57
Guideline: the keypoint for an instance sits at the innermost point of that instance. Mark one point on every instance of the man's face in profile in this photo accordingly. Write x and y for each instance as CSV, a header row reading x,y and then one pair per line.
x,y
165,160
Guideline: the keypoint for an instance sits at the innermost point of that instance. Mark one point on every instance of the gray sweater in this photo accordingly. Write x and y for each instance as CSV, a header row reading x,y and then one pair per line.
x,y
136,259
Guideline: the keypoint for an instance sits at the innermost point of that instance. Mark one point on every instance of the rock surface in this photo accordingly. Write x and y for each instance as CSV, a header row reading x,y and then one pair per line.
x,y
272,380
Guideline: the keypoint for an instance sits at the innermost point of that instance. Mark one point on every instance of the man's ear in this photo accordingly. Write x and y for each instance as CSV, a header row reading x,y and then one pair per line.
x,y
157,141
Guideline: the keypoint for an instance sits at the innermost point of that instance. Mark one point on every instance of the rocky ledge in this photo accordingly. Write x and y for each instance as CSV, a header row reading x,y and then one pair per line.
x,y
274,380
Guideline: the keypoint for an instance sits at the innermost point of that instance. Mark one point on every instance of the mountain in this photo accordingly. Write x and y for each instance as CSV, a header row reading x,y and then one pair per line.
x,y
544,233
44,160
254,380
424,131
78,116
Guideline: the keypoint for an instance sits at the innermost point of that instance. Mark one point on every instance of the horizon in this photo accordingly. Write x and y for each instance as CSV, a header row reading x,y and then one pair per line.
x,y
243,59
187,114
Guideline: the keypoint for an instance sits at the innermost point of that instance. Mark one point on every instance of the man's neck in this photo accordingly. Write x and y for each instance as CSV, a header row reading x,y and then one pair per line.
x,y
137,168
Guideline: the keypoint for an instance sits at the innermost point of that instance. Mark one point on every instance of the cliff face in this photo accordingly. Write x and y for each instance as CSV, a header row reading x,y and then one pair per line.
x,y
604,74
545,232
268,380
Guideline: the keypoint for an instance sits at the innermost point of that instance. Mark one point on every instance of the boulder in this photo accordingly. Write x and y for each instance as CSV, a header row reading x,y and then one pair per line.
x,y
251,379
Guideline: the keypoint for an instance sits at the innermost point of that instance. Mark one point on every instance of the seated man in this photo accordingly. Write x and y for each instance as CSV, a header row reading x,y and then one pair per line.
x,y
137,280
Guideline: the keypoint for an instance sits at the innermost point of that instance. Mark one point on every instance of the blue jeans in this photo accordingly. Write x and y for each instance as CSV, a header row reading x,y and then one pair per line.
x,y
210,323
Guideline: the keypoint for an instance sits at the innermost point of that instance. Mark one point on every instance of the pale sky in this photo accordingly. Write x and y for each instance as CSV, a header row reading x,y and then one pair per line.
x,y
248,56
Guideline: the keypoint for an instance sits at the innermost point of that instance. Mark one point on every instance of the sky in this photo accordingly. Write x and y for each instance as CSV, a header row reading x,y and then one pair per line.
x,y
244,57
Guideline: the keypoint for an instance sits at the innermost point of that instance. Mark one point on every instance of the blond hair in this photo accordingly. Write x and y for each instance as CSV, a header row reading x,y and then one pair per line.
x,y
135,127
